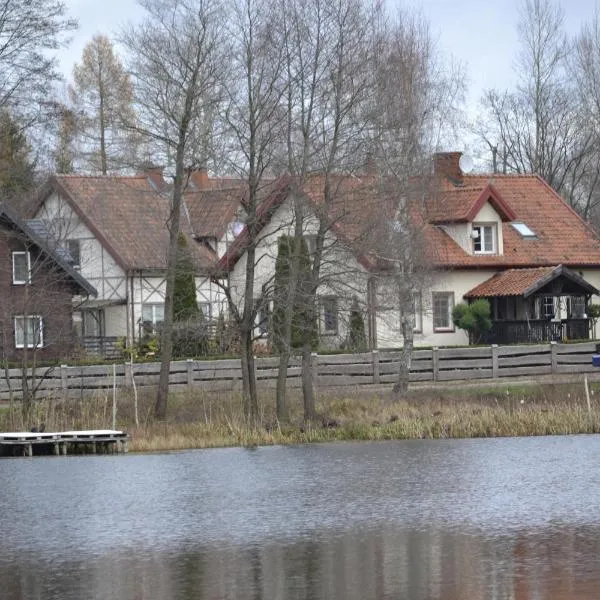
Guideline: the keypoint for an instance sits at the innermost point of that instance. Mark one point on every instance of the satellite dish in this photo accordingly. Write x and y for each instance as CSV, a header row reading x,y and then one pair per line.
x,y
466,163
475,234
237,227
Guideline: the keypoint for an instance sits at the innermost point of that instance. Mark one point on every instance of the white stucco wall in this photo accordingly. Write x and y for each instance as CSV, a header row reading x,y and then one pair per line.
x,y
458,282
97,265
342,275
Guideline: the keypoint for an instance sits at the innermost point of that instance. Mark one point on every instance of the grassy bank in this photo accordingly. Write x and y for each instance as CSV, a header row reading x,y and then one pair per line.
x,y
216,420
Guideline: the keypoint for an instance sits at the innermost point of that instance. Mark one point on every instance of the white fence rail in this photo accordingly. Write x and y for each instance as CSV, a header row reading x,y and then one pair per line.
x,y
444,364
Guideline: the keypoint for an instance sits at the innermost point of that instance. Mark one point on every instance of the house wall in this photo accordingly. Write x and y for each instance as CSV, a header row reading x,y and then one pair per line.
x,y
124,293
97,265
342,276
459,282
150,289
49,295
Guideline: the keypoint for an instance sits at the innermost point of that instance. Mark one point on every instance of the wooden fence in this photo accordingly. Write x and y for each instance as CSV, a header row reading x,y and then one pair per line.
x,y
444,364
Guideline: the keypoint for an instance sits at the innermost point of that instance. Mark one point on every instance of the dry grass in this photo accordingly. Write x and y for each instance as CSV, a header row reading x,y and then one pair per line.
x,y
202,420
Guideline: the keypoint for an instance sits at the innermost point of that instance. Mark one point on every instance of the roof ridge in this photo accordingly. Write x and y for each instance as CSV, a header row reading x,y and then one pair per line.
x,y
88,176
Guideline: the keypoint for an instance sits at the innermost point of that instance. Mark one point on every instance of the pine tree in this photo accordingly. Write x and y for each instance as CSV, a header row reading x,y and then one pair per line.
x,y
356,335
17,170
300,319
185,305
189,334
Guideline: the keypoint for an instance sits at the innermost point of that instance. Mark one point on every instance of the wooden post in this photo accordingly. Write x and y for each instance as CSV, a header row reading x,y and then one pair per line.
x,y
436,362
64,381
114,405
587,394
28,449
63,448
375,362
495,369
128,375
554,357
314,359
189,363
56,448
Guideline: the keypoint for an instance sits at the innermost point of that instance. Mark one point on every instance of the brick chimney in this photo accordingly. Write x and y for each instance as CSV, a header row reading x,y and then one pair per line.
x,y
445,164
155,174
199,178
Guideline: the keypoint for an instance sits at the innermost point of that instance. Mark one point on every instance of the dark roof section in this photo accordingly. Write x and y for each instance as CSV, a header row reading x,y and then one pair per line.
x,y
48,249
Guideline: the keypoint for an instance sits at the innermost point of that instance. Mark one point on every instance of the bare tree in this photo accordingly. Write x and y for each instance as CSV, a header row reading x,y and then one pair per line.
x,y
175,63
540,127
30,30
254,120
585,66
102,98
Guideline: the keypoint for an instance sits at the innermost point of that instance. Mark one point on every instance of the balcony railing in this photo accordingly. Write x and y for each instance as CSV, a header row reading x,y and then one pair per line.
x,y
539,330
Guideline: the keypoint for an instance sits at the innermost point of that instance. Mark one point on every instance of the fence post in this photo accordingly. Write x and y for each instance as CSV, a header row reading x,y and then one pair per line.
x,y
314,360
554,356
495,370
64,381
189,363
375,362
436,362
128,375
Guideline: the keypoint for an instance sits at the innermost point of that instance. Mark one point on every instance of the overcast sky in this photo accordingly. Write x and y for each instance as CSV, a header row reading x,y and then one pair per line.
x,y
479,33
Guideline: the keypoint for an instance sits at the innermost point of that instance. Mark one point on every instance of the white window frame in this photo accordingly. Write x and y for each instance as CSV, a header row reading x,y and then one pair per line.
x,y
76,264
548,303
153,306
14,278
418,310
449,307
32,343
336,315
206,308
481,228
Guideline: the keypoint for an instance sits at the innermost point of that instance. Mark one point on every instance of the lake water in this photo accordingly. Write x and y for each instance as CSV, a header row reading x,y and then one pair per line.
x,y
459,519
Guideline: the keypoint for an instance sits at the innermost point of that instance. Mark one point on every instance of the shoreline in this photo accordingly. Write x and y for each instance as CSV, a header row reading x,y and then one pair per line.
x,y
216,420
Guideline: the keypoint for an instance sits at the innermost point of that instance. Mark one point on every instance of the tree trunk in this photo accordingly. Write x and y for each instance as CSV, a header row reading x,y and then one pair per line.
x,y
246,334
166,337
103,162
286,342
408,326
308,389
280,396
249,380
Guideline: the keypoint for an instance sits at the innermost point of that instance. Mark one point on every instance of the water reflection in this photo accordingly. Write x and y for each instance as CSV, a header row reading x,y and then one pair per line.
x,y
555,564
487,519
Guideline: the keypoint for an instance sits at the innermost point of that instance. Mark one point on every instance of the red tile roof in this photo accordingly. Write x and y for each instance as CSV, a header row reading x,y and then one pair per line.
x,y
129,218
524,282
562,237
512,282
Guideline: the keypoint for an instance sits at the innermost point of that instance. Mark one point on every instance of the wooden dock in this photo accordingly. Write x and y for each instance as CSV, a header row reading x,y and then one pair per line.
x,y
61,443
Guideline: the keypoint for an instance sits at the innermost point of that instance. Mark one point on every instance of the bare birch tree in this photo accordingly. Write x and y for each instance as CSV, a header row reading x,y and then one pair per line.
x,y
175,61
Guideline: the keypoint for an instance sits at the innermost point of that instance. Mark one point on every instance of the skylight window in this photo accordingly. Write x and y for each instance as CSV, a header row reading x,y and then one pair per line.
x,y
524,230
